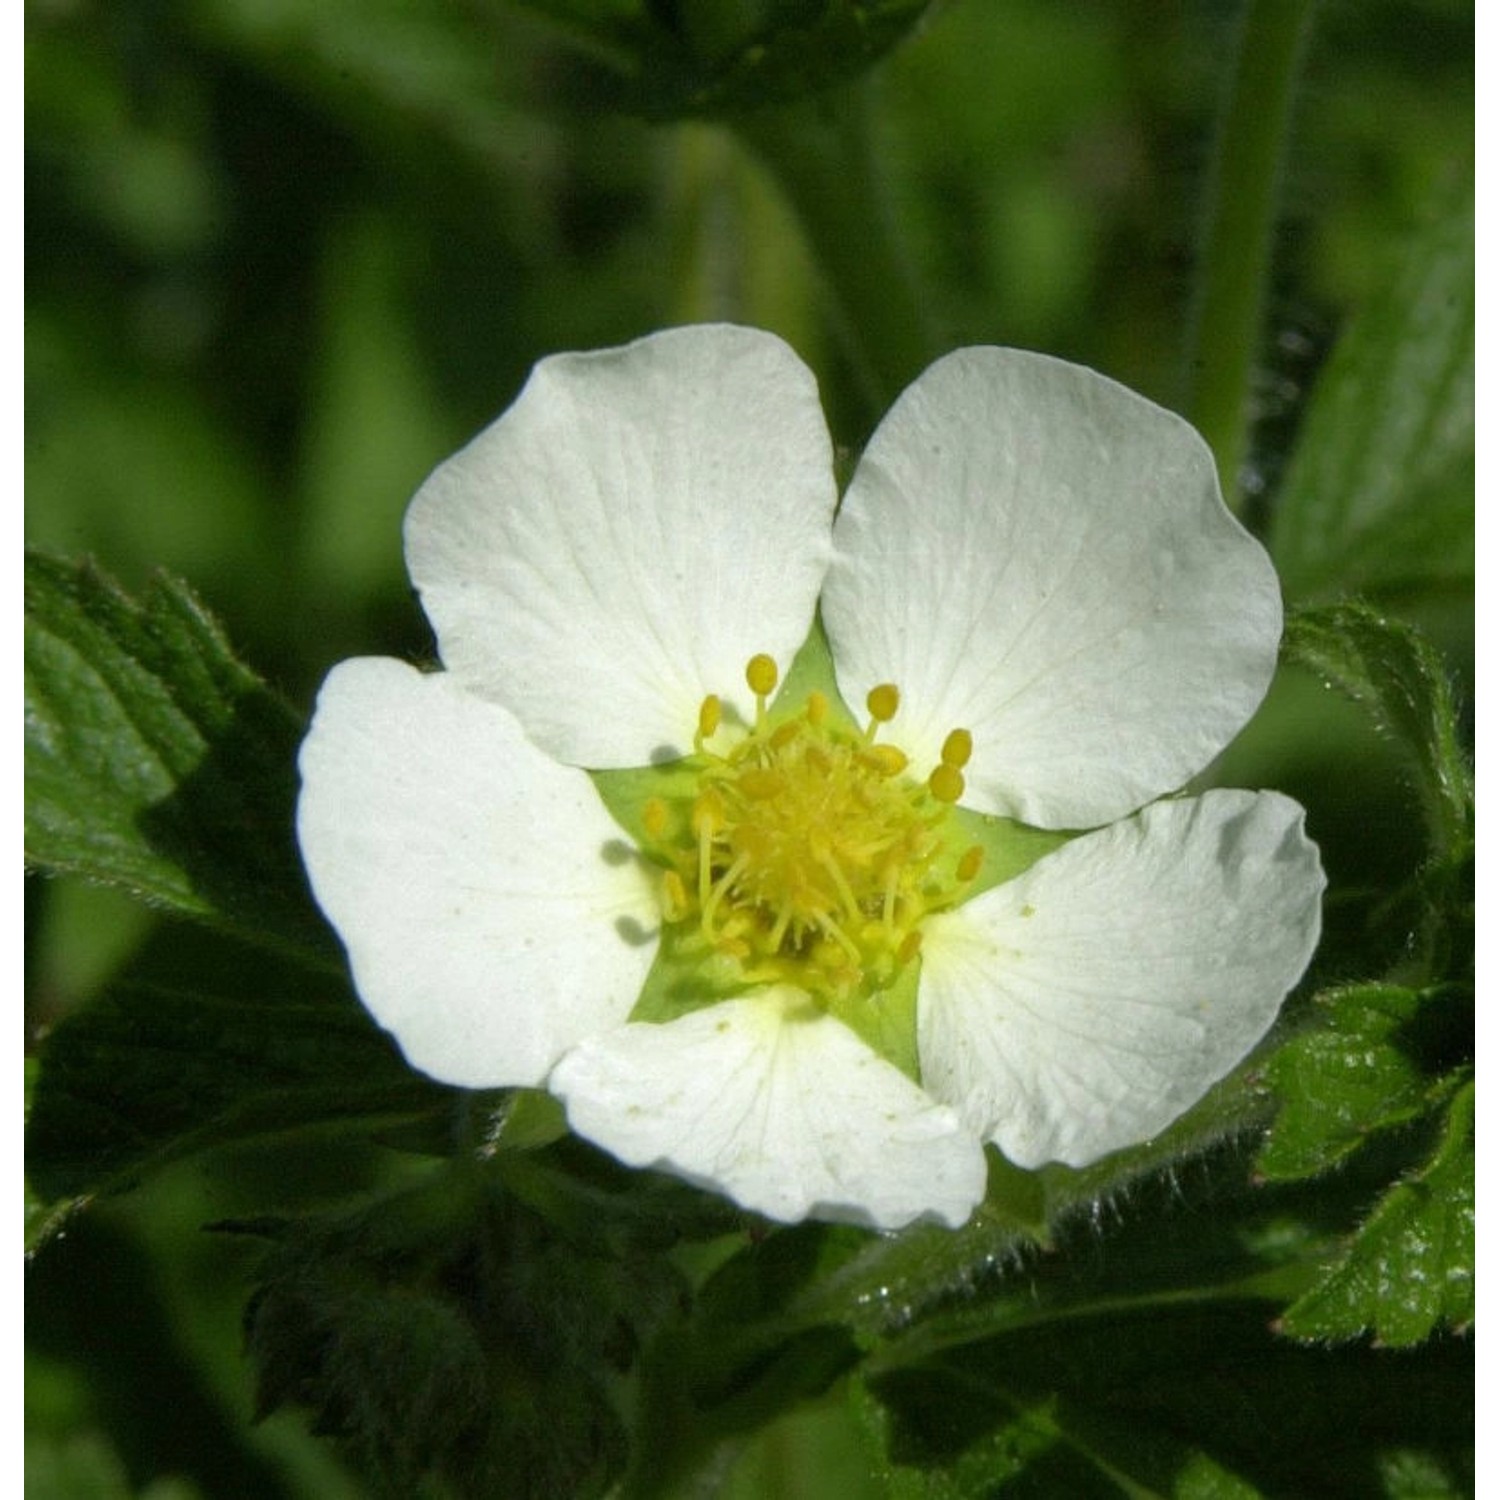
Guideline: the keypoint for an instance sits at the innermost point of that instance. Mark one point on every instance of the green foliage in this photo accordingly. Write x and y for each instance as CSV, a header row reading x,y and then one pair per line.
x,y
1410,1266
1385,1058
715,56
148,1075
454,1340
1140,1362
155,761
1356,1073
1399,680
1379,497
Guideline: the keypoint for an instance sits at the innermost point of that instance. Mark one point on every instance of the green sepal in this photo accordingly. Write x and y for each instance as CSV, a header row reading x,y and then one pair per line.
x,y
530,1119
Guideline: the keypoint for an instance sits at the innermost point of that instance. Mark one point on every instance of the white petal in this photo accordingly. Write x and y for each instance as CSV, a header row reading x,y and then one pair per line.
x,y
627,535
492,912
781,1107
1085,1005
1038,555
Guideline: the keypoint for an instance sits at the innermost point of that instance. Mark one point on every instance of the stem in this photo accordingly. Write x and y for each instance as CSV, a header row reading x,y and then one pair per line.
x,y
820,151
1241,215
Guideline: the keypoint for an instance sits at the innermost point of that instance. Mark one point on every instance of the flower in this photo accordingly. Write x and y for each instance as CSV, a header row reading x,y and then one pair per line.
x,y
816,957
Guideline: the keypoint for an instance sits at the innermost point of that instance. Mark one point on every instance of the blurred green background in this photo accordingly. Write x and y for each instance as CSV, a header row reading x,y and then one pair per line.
x,y
285,255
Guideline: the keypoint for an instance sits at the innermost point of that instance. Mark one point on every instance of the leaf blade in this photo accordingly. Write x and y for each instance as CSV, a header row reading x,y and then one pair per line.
x,y
157,762
1379,493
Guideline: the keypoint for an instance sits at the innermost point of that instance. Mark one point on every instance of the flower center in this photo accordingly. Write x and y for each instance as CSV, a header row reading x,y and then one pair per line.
x,y
808,855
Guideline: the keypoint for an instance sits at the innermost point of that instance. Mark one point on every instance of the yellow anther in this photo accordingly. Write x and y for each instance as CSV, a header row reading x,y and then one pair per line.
x,y
708,812
808,852
654,817
883,701
946,783
957,749
886,759
674,897
709,714
762,675
762,785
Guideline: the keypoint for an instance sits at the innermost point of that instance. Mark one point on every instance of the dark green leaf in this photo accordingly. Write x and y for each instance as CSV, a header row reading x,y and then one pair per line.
x,y
1390,670
1380,491
449,1334
1359,1072
1136,1355
1165,1401
710,57
1410,1267
148,1075
740,1359
156,762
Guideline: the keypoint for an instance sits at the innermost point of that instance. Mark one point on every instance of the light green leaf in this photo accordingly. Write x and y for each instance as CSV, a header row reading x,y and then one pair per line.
x,y
1410,1267
1379,492
156,761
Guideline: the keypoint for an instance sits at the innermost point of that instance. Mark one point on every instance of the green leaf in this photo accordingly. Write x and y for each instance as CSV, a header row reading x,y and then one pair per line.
x,y
147,1075
449,1333
157,762
715,56
740,1359
1359,1072
1379,492
1164,1402
1135,1355
1389,669
1410,1267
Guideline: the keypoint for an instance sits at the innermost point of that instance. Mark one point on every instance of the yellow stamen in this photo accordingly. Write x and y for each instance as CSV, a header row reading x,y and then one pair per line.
x,y
887,760
883,701
762,675
814,854
675,903
957,749
710,713
946,783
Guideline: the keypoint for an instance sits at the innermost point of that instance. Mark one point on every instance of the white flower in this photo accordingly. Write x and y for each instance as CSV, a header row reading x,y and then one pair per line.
x,y
1037,558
